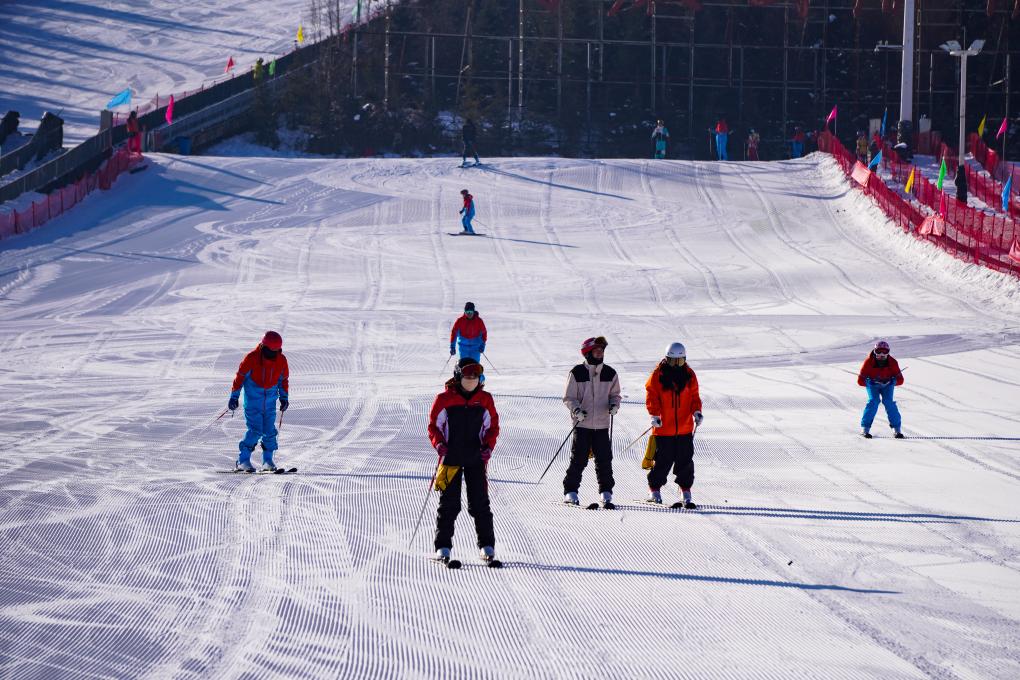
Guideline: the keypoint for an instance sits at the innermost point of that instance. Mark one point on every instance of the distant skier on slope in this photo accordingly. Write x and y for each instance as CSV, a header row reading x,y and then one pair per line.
x,y
463,427
674,402
468,334
880,374
722,134
593,398
467,211
469,135
264,375
660,136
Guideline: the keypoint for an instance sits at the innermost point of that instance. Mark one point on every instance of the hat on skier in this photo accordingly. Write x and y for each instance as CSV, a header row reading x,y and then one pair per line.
x,y
676,351
882,345
272,340
591,343
463,191
469,306
468,367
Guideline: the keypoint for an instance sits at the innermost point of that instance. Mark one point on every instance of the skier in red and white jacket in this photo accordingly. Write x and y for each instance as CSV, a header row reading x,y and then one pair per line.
x,y
463,427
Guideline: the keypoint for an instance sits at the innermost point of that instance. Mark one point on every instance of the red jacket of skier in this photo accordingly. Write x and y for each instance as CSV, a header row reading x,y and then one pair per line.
x,y
466,422
721,127
879,371
257,371
469,201
469,329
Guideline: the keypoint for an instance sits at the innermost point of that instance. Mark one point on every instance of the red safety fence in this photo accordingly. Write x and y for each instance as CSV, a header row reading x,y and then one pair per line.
x,y
967,234
62,200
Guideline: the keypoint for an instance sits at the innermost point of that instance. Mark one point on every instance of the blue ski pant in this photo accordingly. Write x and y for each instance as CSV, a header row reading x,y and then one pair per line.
x,y
466,221
797,149
720,145
261,426
884,395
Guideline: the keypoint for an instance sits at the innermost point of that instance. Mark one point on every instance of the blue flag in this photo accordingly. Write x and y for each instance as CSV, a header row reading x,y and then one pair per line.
x,y
876,160
122,97
1005,194
884,114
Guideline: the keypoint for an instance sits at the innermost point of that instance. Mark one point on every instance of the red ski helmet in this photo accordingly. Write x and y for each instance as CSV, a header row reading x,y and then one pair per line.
x,y
591,343
272,340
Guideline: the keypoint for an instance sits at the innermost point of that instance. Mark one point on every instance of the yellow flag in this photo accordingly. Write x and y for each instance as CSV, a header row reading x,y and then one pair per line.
x,y
301,37
910,180
981,126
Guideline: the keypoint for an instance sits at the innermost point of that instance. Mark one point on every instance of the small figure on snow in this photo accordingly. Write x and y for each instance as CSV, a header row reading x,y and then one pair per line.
x,y
264,375
722,134
468,212
660,136
469,134
673,401
753,142
463,427
797,143
862,147
468,334
880,374
133,133
593,398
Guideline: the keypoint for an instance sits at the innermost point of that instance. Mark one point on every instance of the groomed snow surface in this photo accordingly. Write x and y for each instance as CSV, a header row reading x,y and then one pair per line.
x,y
125,552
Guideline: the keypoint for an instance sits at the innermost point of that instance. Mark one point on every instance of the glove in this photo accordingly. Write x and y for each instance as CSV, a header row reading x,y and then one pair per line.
x,y
284,404
441,450
614,409
698,418
462,211
578,415
486,454
232,404
656,421
452,351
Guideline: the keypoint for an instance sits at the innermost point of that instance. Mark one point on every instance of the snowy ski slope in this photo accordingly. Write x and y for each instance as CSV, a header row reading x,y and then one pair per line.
x,y
125,553
71,56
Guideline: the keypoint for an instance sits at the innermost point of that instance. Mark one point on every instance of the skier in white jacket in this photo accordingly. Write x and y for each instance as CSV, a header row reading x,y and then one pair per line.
x,y
593,398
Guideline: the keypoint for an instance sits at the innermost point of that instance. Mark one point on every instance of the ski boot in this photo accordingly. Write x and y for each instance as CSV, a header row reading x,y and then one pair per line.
x,y
488,556
607,500
686,502
244,466
268,466
570,498
654,496
898,435
865,432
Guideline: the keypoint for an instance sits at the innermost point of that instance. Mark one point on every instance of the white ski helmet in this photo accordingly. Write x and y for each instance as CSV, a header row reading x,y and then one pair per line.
x,y
676,351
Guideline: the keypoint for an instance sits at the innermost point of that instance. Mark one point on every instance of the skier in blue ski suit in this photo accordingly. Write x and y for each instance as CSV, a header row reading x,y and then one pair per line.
x,y
468,211
264,375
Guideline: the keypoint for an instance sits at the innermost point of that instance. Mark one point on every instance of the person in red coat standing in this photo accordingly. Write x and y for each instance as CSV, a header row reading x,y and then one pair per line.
x,y
469,333
463,427
134,133
264,375
880,374
722,135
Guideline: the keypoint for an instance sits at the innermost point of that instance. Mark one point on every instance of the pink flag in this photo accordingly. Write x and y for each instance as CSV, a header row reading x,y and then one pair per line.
x,y
1002,129
943,206
1014,251
832,116
170,111
230,64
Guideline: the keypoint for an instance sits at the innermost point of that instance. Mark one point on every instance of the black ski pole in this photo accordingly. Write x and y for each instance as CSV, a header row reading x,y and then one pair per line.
x,y
490,362
432,485
446,364
558,452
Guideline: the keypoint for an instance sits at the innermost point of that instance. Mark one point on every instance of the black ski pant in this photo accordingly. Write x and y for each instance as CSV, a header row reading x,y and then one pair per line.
x,y
676,453
598,442
477,504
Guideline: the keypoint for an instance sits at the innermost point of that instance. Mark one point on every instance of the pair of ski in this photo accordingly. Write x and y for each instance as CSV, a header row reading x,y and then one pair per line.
x,y
679,505
451,563
464,233
277,471
590,506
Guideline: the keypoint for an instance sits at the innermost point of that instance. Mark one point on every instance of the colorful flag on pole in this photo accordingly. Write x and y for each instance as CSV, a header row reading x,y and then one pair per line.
x,y
981,126
832,116
884,114
910,180
1005,194
1002,129
122,97
230,64
272,68
170,111
876,160
942,174
943,207
300,34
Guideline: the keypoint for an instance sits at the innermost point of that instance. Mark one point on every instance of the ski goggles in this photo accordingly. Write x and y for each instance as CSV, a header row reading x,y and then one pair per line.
x,y
677,361
881,353
471,371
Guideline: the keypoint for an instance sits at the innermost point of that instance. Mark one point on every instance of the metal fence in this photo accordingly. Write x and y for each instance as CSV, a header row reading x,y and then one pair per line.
x,y
66,168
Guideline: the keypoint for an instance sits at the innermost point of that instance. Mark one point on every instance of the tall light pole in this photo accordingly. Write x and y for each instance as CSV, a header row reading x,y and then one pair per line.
x,y
905,126
955,50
